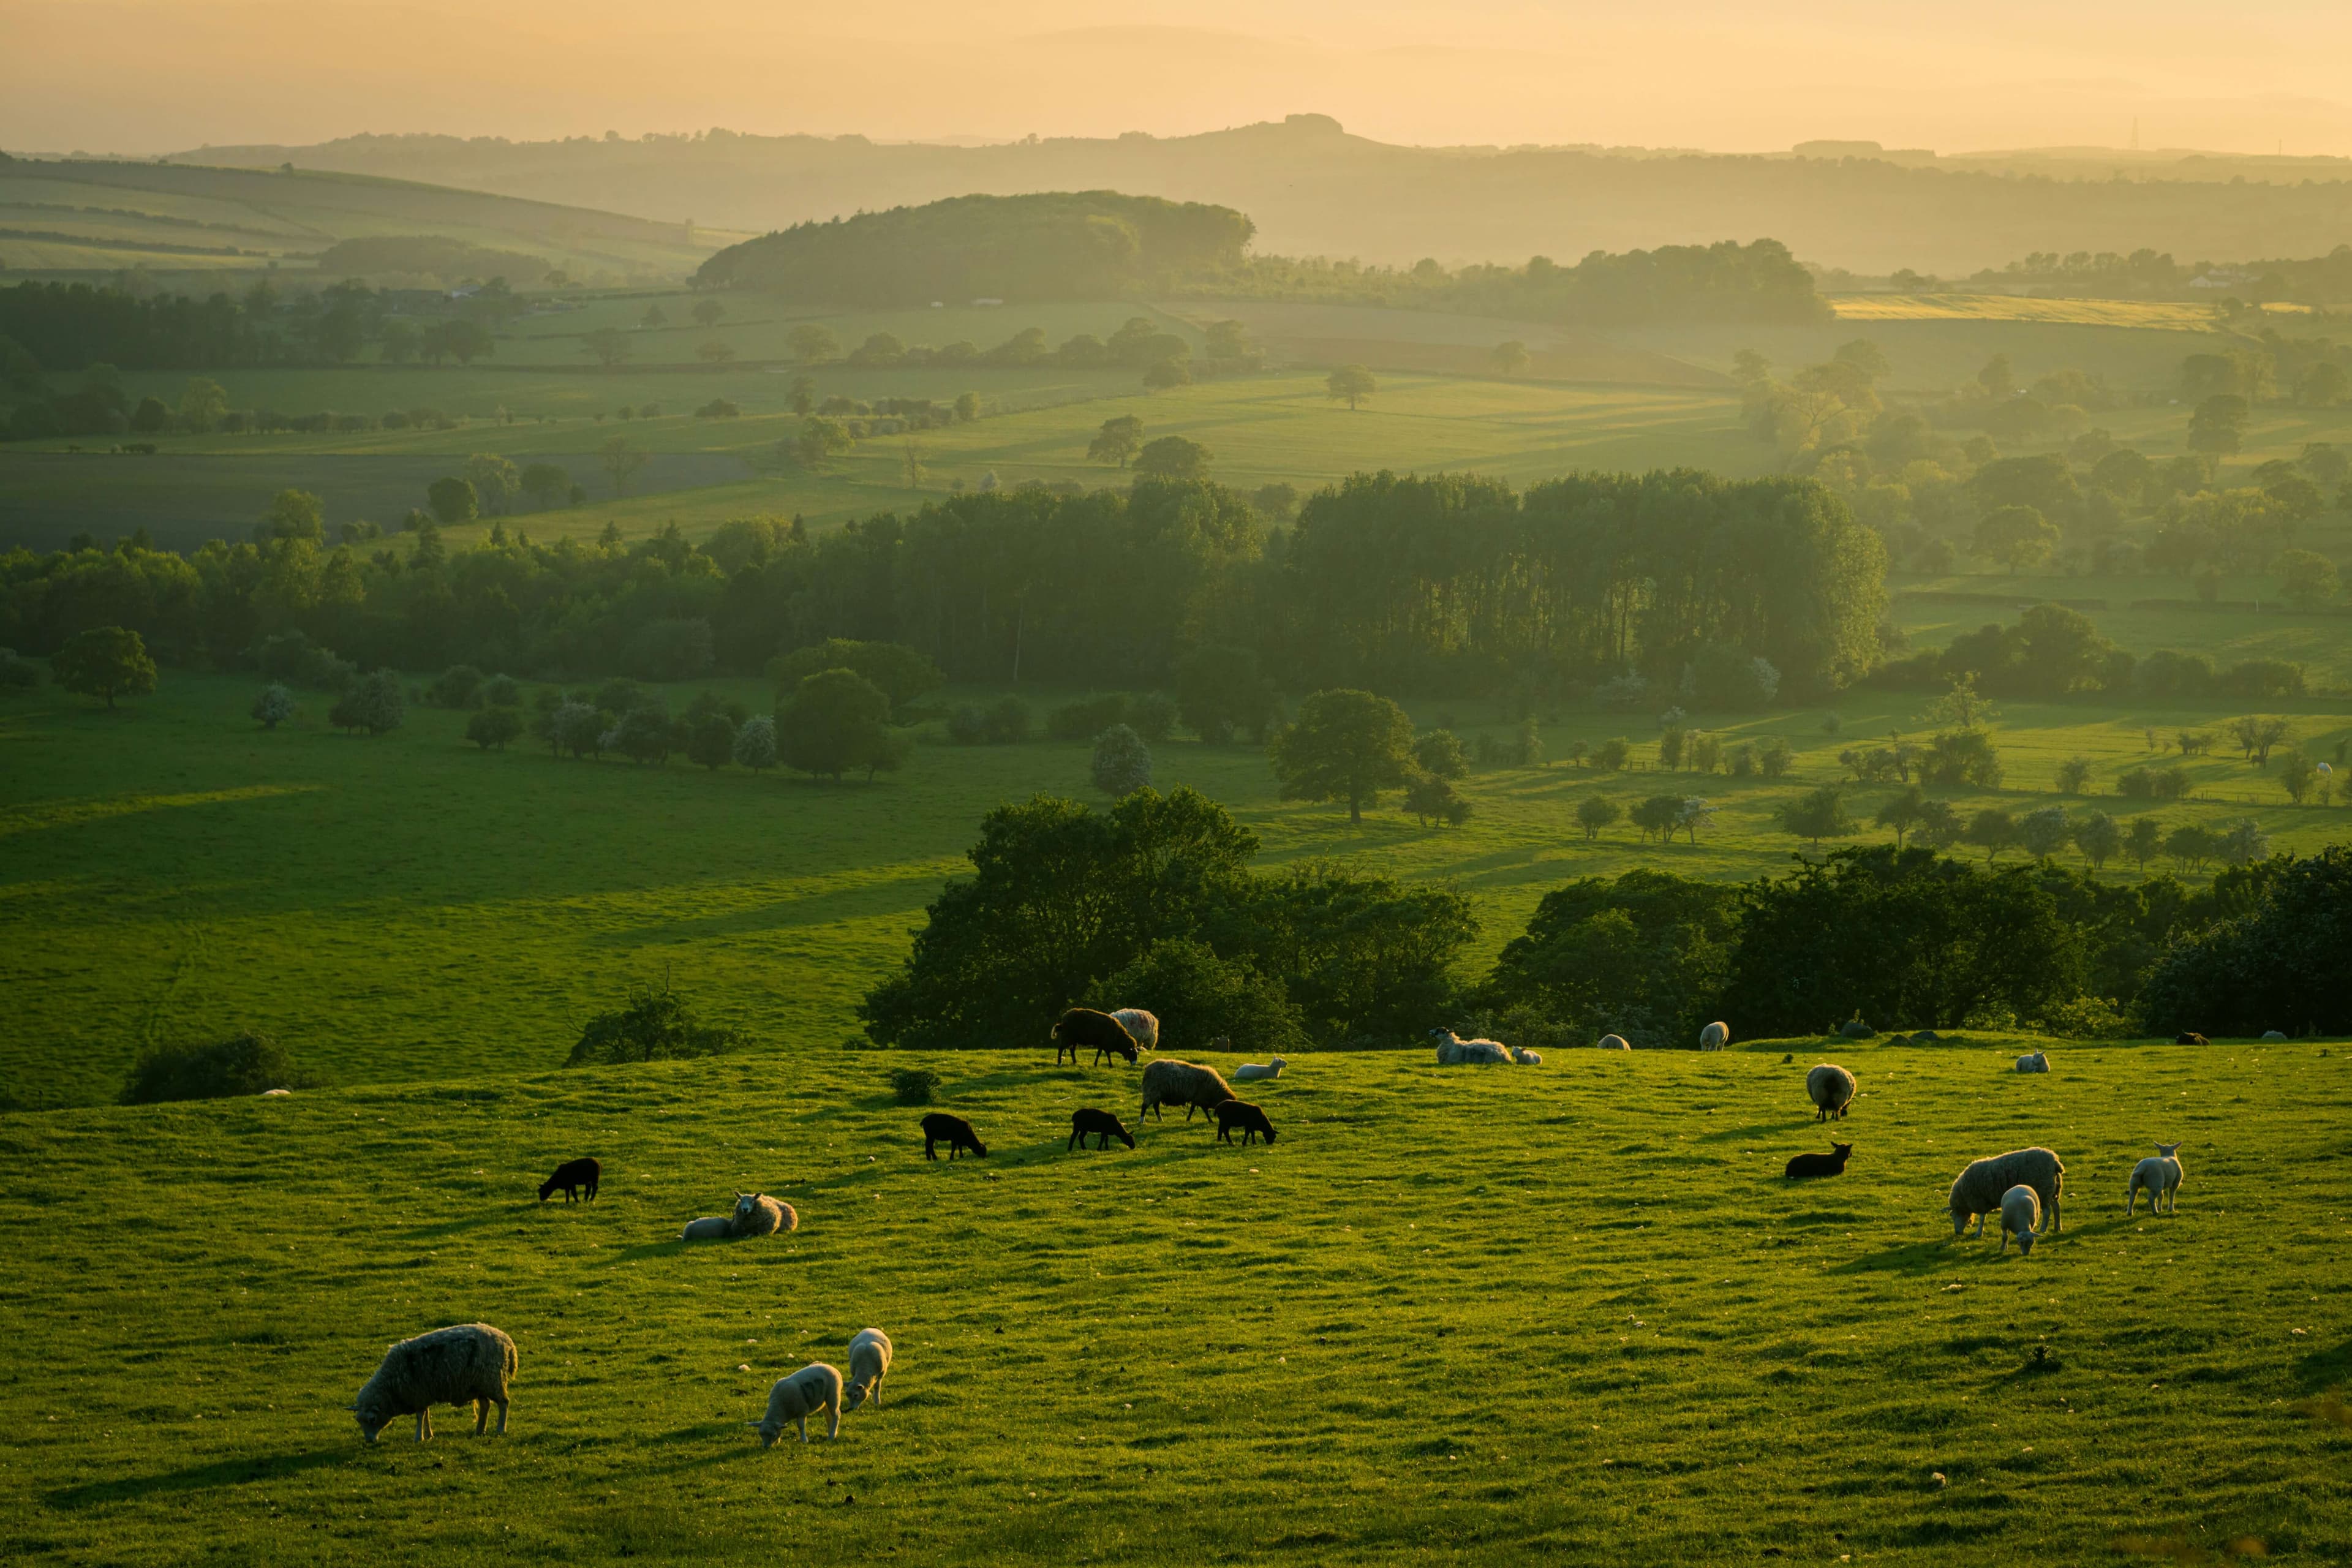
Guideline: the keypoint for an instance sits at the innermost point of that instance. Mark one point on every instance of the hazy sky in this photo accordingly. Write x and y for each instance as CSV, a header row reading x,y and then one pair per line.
x,y
157,75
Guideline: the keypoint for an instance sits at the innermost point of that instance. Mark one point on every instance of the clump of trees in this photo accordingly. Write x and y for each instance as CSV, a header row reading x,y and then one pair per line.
x,y
243,1064
653,1026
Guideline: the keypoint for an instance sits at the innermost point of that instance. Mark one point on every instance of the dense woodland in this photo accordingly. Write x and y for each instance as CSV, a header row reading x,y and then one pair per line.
x,y
1442,584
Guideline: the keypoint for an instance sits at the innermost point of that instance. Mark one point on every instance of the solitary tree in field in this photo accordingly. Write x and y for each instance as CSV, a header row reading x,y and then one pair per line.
x,y
812,344
1164,374
2099,839
835,720
607,345
1508,359
2218,424
104,662
274,705
1122,762
755,744
1173,457
820,439
202,404
1595,811
1903,813
653,318
453,501
2046,831
2144,842
492,727
467,340
712,741
546,482
1817,814
373,703
1118,441
707,311
1429,797
1346,746
1992,830
620,461
1350,384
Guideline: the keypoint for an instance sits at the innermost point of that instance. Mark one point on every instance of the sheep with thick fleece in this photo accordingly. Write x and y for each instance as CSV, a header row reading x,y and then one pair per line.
x,y
1715,1037
794,1399
1830,1088
2021,1217
1614,1043
1170,1082
2034,1061
1977,1190
1525,1057
1252,1072
2159,1176
754,1213
1142,1027
468,1365
869,1362
1452,1050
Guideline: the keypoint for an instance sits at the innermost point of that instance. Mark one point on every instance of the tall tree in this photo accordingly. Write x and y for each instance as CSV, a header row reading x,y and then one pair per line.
x,y
104,662
1345,746
1351,384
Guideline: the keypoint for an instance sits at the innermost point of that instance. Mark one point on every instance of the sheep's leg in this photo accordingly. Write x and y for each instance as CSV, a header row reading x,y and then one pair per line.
x,y
877,1391
833,1427
481,1415
502,1416
803,1424
424,1426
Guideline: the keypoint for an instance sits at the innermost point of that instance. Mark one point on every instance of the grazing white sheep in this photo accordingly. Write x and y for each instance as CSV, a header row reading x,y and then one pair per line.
x,y
1614,1043
2021,1217
869,1362
2159,1174
1251,1072
1830,1088
1525,1057
794,1399
1142,1026
1715,1037
2034,1061
1452,1050
1977,1190
468,1365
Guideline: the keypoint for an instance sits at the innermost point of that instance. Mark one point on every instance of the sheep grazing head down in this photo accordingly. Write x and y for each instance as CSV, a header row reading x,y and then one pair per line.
x,y
373,1417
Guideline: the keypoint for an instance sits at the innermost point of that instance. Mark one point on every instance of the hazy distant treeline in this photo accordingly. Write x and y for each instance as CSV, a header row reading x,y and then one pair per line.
x,y
1447,583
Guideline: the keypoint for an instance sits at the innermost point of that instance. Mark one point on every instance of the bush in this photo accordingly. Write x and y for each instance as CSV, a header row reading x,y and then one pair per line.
x,y
492,727
1610,756
1438,753
502,691
755,744
17,673
273,706
643,735
455,687
718,408
1962,757
1772,758
1081,720
1122,763
1428,797
657,1025
914,1086
2259,678
247,1063
1008,721
2073,774
1153,716
377,704
294,658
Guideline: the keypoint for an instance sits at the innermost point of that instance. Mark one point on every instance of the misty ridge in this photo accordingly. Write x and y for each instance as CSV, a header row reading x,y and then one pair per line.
x,y
1313,190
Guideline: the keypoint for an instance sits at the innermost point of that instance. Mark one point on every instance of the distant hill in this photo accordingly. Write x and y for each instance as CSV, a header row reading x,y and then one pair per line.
x,y
1315,190
91,215
1088,244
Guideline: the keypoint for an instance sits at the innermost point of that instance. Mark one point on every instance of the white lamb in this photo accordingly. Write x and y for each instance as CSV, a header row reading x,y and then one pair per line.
x,y
2021,1217
1715,1037
2159,1173
2037,1061
869,1362
1525,1057
1251,1072
794,1399
1142,1027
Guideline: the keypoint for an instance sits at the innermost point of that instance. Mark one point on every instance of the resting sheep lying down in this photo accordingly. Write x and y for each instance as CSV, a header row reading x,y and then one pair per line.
x,y
794,1399
468,1365
1254,1072
755,1214
1452,1050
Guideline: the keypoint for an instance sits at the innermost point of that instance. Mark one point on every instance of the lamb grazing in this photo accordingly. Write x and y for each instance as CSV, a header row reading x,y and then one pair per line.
x,y
1254,1072
1100,1122
1830,1088
2159,1174
757,1213
1452,1050
2036,1061
794,1399
1715,1037
869,1362
954,1132
1614,1043
1525,1057
571,1175
2190,1037
1241,1113
1977,1190
2021,1217
470,1364
1170,1082
1082,1027
1142,1027
1830,1164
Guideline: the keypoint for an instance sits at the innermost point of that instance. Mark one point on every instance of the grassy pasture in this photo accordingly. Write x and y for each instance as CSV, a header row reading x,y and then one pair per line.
x,y
408,906
1569,1311
2160,314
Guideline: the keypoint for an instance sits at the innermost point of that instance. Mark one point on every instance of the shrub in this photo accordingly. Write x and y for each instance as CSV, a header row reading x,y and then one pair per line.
x,y
718,408
1962,757
1428,795
643,735
755,744
914,1086
657,1025
1008,721
1220,691
2073,774
377,704
577,728
455,687
492,727
17,673
245,1064
710,741
1610,756
294,658
1772,758
502,691
1122,763
1439,752
1152,715
274,705
1595,811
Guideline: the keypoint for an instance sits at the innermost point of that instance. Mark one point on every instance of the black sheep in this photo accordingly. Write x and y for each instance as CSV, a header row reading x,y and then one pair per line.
x,y
954,1132
571,1175
1082,1027
1241,1113
1097,1121
1828,1165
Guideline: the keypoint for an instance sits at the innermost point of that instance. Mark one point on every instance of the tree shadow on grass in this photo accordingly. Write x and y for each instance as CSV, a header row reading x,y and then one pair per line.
x,y
2324,1368
1910,1257
198,1477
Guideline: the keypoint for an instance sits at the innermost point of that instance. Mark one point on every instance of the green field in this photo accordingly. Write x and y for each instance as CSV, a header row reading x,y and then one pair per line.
x,y
1570,1312
407,906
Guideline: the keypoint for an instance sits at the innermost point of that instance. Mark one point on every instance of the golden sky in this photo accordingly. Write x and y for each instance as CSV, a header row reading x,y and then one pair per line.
x,y
139,76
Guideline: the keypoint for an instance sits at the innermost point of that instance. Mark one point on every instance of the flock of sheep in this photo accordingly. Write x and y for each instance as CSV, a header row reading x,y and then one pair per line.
x,y
473,1363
